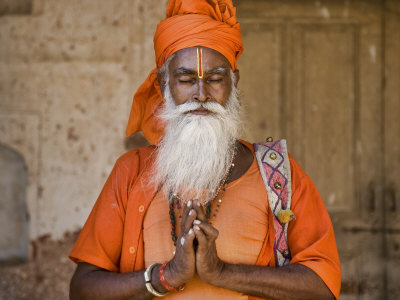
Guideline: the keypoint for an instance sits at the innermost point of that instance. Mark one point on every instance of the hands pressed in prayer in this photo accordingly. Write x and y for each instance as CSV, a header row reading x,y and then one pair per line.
x,y
188,258
181,268
208,264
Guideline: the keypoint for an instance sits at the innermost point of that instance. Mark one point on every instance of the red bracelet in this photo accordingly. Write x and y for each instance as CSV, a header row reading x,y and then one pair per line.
x,y
165,283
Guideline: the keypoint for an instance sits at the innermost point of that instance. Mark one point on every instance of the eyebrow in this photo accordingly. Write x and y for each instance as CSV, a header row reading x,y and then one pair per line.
x,y
184,71
217,70
181,71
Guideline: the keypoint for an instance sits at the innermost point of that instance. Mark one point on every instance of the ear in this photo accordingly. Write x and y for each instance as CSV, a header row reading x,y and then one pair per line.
x,y
161,82
237,77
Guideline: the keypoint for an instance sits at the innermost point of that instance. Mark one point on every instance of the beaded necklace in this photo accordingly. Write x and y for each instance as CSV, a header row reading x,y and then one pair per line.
x,y
174,199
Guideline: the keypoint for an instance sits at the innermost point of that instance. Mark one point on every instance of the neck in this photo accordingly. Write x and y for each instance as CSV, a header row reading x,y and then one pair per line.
x,y
243,160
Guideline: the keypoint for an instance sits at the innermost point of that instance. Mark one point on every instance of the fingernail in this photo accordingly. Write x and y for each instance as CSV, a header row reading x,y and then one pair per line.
x,y
196,227
182,241
198,203
197,222
191,212
189,203
190,231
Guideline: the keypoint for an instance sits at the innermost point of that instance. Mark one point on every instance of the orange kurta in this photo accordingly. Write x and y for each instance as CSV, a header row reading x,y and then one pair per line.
x,y
112,237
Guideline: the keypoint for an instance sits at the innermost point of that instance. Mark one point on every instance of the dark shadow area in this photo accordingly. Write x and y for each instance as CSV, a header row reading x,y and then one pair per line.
x,y
14,220
135,141
15,7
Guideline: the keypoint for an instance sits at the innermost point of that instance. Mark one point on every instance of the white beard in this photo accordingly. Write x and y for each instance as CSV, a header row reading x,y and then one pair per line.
x,y
195,152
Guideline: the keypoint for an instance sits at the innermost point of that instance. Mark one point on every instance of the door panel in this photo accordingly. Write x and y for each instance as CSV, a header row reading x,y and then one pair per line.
x,y
264,50
392,147
323,96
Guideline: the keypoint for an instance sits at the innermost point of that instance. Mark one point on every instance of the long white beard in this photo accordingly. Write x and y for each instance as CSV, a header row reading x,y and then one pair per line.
x,y
195,152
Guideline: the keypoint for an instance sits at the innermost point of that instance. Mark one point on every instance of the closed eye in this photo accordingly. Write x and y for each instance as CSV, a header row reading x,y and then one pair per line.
x,y
216,80
186,80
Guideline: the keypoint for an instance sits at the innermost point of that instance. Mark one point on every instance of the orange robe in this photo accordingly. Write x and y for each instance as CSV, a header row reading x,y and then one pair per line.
x,y
113,236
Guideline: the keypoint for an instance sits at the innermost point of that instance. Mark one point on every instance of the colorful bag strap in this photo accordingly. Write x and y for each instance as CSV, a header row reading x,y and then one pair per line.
x,y
273,161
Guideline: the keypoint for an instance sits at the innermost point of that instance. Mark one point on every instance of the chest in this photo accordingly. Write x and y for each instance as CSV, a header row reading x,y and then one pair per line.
x,y
242,222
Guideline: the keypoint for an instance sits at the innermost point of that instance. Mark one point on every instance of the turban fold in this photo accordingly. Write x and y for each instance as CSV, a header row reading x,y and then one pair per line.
x,y
189,23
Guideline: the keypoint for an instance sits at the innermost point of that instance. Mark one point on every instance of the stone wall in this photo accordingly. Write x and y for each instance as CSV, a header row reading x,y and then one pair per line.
x,y
68,71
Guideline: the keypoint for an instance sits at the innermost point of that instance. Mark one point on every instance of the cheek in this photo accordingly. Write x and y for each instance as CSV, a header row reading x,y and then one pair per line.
x,y
181,94
178,92
223,94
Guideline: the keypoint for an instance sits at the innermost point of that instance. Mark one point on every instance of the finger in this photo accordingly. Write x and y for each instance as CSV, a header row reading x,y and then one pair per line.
x,y
187,208
210,232
188,216
199,210
186,241
201,237
188,222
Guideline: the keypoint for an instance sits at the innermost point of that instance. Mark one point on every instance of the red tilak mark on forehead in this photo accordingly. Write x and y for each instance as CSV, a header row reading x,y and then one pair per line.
x,y
200,62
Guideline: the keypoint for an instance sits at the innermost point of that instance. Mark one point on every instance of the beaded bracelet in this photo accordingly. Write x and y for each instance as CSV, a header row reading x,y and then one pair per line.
x,y
165,283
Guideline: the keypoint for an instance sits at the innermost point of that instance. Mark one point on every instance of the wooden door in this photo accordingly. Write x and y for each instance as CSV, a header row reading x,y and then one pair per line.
x,y
392,148
313,72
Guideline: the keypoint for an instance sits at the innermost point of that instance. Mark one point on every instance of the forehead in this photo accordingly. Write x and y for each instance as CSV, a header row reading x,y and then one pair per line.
x,y
187,58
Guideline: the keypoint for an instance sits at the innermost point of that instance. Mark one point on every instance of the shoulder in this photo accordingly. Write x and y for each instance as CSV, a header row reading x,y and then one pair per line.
x,y
297,172
136,158
130,166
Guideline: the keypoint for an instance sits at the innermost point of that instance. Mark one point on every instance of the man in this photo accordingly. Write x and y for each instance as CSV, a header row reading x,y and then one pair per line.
x,y
190,218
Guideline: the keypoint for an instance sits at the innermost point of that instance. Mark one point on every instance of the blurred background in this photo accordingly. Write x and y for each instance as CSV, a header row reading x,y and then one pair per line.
x,y
325,75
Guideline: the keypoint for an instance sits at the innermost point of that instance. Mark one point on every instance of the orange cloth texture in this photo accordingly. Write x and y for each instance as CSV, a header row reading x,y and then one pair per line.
x,y
189,23
113,236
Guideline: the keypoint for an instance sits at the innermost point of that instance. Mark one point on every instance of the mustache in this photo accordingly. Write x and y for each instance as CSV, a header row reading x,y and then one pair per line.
x,y
211,106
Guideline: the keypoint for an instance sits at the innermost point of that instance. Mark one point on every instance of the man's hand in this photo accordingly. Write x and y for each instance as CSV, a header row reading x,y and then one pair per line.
x,y
208,265
181,268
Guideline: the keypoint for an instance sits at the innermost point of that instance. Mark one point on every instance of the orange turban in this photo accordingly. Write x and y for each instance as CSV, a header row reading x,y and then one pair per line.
x,y
189,23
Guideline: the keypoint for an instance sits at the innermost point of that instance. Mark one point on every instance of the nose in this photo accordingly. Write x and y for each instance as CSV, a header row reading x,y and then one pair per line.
x,y
201,94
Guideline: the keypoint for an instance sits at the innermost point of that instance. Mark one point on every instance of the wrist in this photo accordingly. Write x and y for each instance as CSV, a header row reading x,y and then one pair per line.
x,y
165,283
155,279
169,276
220,277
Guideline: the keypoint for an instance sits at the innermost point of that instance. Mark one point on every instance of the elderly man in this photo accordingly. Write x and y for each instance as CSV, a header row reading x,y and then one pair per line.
x,y
190,218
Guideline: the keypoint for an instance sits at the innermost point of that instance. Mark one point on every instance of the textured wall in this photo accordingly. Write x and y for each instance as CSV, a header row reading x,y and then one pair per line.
x,y
68,70
13,212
